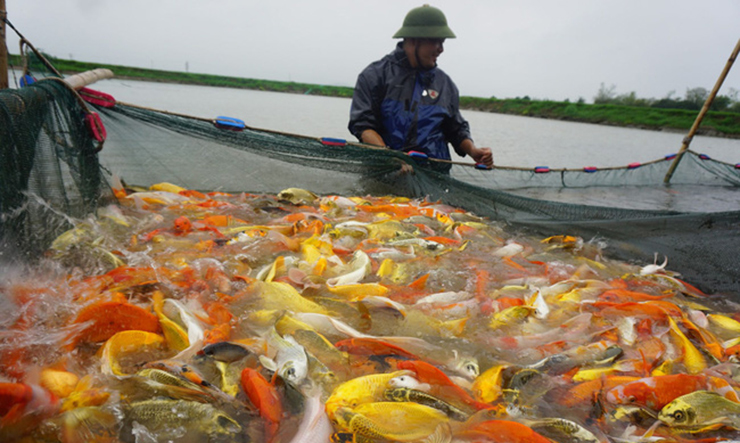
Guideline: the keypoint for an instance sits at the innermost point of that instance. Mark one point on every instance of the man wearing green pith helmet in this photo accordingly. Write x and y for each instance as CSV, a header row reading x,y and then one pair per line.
x,y
405,102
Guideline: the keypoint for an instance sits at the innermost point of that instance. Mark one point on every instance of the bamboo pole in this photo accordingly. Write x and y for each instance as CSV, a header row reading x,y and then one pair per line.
x,y
702,113
3,48
78,81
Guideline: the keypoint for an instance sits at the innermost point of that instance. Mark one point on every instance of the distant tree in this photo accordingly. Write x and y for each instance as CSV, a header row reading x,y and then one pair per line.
x,y
697,96
734,95
720,103
581,100
631,99
669,103
605,95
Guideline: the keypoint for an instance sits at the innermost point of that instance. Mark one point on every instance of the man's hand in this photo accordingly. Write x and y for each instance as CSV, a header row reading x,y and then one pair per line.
x,y
483,156
371,137
480,155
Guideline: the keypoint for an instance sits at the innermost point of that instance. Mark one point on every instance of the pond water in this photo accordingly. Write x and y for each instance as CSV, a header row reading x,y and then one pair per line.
x,y
516,141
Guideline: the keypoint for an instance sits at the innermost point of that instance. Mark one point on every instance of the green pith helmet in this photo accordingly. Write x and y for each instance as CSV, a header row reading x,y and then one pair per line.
x,y
424,22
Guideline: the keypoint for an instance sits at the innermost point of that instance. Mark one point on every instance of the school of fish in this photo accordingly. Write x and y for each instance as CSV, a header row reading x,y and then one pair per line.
x,y
176,315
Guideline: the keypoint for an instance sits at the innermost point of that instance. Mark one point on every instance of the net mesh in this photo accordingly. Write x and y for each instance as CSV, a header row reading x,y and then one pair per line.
x,y
49,170
51,175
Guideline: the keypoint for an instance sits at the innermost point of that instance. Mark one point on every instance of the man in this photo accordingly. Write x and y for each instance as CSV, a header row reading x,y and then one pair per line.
x,y
406,103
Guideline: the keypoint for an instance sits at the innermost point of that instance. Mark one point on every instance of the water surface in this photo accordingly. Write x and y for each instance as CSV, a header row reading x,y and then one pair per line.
x,y
515,140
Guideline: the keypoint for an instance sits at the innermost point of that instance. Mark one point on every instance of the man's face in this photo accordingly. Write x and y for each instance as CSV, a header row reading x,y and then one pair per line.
x,y
428,49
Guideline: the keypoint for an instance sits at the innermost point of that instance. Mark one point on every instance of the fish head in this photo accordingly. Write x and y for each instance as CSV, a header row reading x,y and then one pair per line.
x,y
522,377
297,196
467,367
634,414
639,392
344,398
293,372
222,424
404,381
678,413
342,417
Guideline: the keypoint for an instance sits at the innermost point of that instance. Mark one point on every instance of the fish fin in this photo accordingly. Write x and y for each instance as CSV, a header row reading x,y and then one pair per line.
x,y
442,434
346,329
268,363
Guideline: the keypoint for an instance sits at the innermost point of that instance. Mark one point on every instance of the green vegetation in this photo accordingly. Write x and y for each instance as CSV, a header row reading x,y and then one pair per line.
x,y
725,124
72,67
694,99
608,108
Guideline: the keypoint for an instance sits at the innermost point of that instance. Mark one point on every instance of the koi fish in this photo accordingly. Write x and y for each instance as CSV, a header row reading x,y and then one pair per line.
x,y
700,408
358,267
360,390
656,392
125,344
404,421
502,431
167,418
297,196
89,424
23,407
441,385
107,318
290,362
265,398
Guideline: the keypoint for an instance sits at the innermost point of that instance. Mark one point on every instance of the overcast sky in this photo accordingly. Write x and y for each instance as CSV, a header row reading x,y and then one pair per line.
x,y
554,49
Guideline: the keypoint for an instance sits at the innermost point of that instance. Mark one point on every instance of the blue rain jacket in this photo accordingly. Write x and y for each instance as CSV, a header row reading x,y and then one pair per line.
x,y
413,110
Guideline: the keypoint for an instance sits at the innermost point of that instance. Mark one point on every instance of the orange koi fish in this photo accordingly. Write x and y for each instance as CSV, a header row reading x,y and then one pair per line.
x,y
651,309
111,317
624,296
372,346
22,408
502,431
585,391
656,392
265,398
443,240
221,317
183,225
440,383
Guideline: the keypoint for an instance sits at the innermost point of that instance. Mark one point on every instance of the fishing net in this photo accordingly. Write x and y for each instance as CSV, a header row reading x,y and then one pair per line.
x,y
49,170
178,306
628,206
51,174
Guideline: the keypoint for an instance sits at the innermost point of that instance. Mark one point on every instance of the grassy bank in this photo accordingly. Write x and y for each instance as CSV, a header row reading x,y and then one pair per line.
x,y
722,124
127,72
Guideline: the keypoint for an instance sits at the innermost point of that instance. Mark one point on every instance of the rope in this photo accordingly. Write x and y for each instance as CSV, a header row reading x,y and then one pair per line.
x,y
38,54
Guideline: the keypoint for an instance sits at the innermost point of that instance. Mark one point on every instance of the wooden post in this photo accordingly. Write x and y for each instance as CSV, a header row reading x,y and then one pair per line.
x,y
3,48
704,109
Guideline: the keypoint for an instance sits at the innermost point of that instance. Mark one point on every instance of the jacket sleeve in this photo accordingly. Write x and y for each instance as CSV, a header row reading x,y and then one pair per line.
x,y
365,111
455,127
